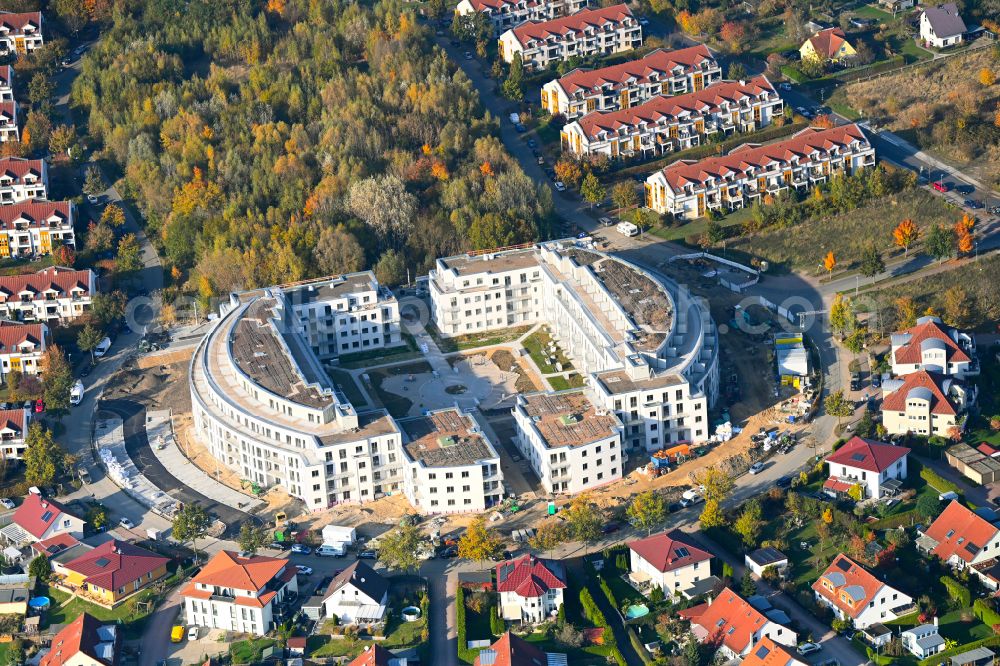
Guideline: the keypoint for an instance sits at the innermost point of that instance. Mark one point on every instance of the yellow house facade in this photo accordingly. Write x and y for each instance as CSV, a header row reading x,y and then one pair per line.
x,y
827,45
113,571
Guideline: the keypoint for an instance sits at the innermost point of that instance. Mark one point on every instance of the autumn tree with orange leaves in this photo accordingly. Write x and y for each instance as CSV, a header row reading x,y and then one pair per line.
x,y
829,261
963,234
905,233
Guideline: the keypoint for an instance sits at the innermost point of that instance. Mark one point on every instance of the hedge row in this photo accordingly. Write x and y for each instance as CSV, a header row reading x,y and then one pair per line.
x,y
895,62
988,616
464,653
941,484
596,617
904,519
957,591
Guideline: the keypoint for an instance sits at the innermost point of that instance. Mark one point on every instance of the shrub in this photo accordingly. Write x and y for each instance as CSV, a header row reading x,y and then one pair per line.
x,y
656,595
958,592
938,482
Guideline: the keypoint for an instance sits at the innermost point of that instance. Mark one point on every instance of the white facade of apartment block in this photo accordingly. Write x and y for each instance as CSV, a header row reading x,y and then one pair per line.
x,y
22,179
507,14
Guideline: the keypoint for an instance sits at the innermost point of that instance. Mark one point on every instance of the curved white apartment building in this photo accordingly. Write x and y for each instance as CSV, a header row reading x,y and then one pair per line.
x,y
265,406
648,349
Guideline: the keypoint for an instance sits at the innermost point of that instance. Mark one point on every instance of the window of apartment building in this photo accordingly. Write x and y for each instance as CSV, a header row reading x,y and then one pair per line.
x,y
585,466
586,480
316,488
449,475
434,502
432,476
451,502
450,489
597,449
315,473
465,475
468,500
465,489
697,419
343,454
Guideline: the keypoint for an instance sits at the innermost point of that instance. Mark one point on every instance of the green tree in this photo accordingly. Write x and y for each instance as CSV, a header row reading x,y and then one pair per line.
x,y
711,515
93,181
939,242
837,405
928,505
40,90
128,261
479,542
748,586
647,510
88,338
549,536
842,317
717,484
592,190
398,549
62,140
190,524
855,342
513,86
584,520
40,568
43,458
391,268
624,196
97,516
497,626
15,653
871,261
57,378
714,232
692,651
252,537
749,523
107,307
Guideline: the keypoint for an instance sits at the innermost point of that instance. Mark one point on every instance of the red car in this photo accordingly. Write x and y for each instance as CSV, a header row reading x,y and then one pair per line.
x,y
39,406
941,187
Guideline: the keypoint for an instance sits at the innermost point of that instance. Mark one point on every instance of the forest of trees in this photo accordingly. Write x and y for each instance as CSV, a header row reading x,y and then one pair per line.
x,y
272,142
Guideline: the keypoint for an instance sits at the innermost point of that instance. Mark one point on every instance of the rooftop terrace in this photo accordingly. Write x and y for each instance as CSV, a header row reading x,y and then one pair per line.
x,y
492,263
445,438
568,419
619,381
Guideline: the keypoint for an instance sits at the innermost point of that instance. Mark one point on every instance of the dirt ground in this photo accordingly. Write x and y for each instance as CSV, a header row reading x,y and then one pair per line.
x,y
159,387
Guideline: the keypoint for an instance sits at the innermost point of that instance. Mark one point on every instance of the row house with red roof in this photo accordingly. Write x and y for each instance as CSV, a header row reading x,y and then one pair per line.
x,y
8,122
507,14
40,518
590,32
853,593
735,627
925,403
86,641
22,347
52,294
238,593
22,179
933,345
34,228
667,124
668,561
531,589
6,83
688,189
13,429
877,468
628,84
20,33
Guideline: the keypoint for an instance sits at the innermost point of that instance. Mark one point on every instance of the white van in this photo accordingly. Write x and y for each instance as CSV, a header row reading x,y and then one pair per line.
x,y
102,347
76,393
627,229
332,550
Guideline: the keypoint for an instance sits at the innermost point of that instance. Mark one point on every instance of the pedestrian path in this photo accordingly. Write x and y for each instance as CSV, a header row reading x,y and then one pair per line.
x,y
109,440
159,432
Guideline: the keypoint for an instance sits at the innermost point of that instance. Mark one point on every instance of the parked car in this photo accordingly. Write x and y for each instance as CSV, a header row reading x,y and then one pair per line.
x,y
177,633
278,545
560,186
450,551
784,482
855,381
674,507
193,633
785,86
756,468
941,186
303,569
540,160
126,523
974,204
367,555
876,380
514,118
299,549
610,528
532,144
468,55
643,20
809,648
7,503
520,128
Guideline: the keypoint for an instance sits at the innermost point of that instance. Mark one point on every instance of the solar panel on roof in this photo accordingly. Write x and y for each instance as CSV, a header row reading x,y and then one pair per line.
x,y
103,562
843,565
682,552
47,516
762,652
972,548
860,457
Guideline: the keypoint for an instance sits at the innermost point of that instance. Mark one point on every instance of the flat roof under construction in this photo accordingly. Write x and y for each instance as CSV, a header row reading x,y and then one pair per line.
x,y
568,419
445,439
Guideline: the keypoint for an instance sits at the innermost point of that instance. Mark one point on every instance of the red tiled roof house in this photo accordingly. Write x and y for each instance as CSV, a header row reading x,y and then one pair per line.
x,y
734,626
925,403
20,33
22,347
54,293
621,86
238,593
827,45
854,594
876,467
114,570
510,650
506,14
961,537
600,31
668,561
22,179
932,345
85,641
13,429
531,589
39,518
769,653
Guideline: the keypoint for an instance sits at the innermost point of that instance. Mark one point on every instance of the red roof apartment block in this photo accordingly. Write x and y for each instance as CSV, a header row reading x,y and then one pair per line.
x,y
668,551
529,576
227,569
929,385
660,63
576,23
867,454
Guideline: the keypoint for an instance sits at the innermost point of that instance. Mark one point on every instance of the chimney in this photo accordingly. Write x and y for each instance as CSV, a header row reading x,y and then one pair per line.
x,y
935,621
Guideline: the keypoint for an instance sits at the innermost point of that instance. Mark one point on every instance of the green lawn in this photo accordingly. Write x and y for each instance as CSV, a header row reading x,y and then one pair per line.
x,y
962,626
694,229
535,343
560,383
346,382
913,52
475,340
590,655
125,612
873,12
249,651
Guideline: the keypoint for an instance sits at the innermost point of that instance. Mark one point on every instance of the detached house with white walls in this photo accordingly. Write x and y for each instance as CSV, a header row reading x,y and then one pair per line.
x,y
961,537
942,26
730,622
628,84
923,641
668,561
589,32
879,469
507,14
239,593
668,124
357,595
933,345
531,589
688,189
40,518
925,403
854,594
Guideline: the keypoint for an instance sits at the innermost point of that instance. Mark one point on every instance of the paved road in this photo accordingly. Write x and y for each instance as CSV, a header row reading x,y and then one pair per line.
x,y
156,637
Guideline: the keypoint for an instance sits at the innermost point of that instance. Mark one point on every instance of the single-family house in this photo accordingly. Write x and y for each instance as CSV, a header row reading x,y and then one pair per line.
x,y
932,345
941,26
877,469
766,558
925,403
769,653
13,429
511,650
238,593
39,518
828,45
114,570
86,641
961,537
923,641
376,655
668,561
60,549
531,589
854,594
734,625
357,595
